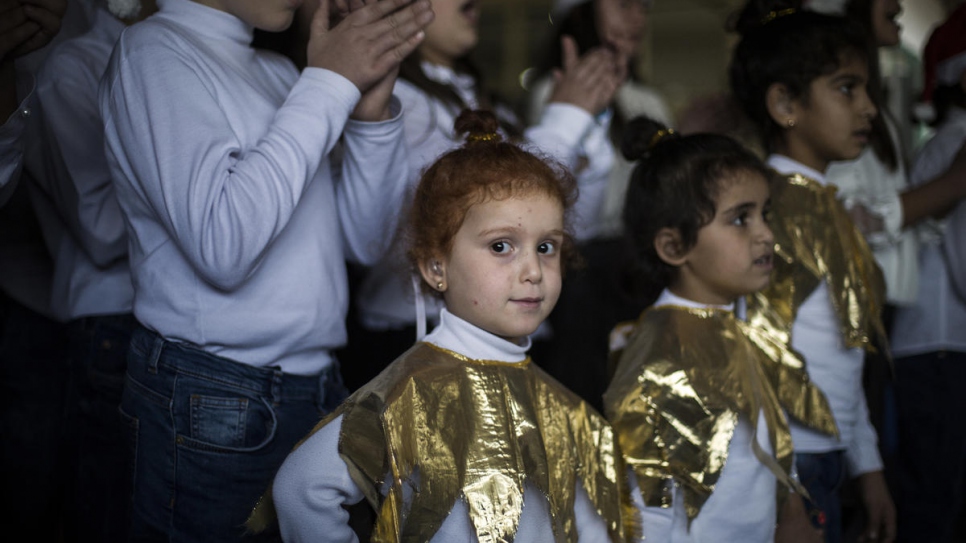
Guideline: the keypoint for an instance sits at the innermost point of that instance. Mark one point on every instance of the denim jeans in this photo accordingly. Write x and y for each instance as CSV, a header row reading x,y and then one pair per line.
x,y
208,435
823,475
33,390
101,492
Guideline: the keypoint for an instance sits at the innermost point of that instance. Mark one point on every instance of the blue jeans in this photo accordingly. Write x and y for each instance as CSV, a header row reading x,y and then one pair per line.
x,y
823,475
208,435
101,490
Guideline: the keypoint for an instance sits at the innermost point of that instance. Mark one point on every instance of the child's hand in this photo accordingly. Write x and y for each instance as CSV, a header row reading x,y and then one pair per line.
x,y
880,511
794,525
588,82
370,42
866,221
28,25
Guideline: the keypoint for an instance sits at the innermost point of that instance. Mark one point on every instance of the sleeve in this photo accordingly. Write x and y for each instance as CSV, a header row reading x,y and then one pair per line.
x,y
311,488
656,523
862,454
579,141
79,178
954,249
222,200
591,528
374,177
12,145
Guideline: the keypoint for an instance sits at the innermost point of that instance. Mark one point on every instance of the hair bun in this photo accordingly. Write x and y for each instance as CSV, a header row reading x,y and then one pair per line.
x,y
478,125
758,13
641,135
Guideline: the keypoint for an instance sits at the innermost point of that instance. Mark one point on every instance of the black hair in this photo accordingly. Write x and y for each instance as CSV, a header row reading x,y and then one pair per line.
x,y
674,185
780,43
580,23
880,139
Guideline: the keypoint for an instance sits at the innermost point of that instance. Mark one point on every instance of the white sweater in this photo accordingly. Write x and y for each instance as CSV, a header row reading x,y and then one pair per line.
x,y
238,221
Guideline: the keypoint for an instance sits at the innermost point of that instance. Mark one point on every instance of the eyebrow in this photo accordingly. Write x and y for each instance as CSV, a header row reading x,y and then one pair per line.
x,y
513,230
744,206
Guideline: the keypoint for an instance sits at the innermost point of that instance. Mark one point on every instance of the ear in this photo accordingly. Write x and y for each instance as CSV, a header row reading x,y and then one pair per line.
x,y
670,247
433,271
782,108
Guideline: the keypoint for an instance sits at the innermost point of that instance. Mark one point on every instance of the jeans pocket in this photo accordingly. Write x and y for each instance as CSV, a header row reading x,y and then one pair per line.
x,y
130,426
222,421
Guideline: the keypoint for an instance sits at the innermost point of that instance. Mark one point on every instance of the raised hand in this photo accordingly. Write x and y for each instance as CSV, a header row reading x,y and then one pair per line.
x,y
42,16
591,81
368,44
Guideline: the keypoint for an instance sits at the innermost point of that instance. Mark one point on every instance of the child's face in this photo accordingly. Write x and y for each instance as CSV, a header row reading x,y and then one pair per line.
x,y
268,15
884,25
834,121
733,253
453,33
503,272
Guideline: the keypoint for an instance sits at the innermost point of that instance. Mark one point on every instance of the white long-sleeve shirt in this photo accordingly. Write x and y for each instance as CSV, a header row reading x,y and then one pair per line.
x,y
313,482
835,369
238,222
742,506
937,320
564,132
91,274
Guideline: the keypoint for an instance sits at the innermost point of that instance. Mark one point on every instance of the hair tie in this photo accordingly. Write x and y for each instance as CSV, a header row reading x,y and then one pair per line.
x,y
660,135
772,15
482,136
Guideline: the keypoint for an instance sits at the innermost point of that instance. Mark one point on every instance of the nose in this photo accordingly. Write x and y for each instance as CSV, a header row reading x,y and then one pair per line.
x,y
531,269
869,110
765,235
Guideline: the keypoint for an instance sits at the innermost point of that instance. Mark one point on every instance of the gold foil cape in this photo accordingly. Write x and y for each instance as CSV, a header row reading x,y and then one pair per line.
x,y
816,241
449,427
681,382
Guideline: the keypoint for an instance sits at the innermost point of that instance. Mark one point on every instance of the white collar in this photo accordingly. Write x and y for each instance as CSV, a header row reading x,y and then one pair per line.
x,y
785,166
457,335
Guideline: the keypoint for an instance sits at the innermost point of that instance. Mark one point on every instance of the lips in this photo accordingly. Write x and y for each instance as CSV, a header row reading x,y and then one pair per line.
x,y
531,303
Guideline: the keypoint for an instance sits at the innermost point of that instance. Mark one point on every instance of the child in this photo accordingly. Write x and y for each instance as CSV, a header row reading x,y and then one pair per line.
x,y
462,437
239,223
435,84
928,336
801,78
698,397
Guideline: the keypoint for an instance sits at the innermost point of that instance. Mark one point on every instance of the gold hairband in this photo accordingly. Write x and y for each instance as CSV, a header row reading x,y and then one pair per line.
x,y
661,134
486,136
772,15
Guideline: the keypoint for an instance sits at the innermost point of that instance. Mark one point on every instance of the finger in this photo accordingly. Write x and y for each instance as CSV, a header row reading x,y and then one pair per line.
x,y
399,29
383,8
568,54
47,19
397,54
320,19
39,39
57,7
11,19
12,40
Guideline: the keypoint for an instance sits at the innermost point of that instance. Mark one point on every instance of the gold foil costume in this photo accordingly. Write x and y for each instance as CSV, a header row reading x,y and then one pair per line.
x,y
816,241
681,382
451,428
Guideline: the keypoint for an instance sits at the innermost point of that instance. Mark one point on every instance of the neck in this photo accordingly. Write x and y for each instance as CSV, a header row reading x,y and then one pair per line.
x,y
803,155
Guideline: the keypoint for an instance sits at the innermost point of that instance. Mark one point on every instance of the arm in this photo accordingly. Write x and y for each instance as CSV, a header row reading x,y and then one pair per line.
x,y
78,179
221,200
862,457
954,248
11,148
941,192
372,188
311,488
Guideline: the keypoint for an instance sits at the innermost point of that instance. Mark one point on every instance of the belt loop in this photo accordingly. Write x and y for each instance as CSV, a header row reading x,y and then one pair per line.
x,y
157,344
276,392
